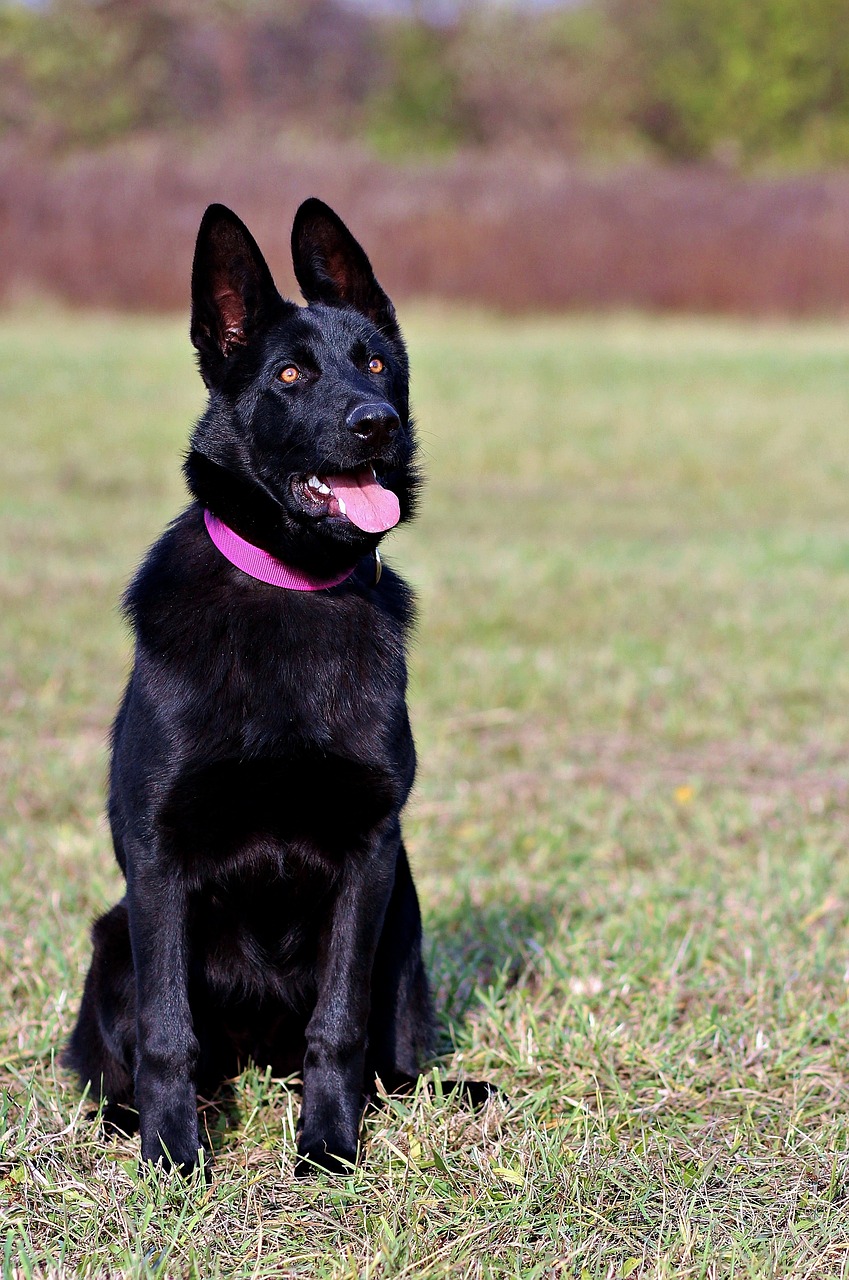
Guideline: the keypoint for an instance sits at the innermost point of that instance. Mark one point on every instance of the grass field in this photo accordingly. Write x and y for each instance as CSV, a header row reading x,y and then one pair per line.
x,y
630,693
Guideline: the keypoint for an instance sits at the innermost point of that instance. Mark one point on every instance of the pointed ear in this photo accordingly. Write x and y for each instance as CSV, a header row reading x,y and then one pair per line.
x,y
232,289
332,267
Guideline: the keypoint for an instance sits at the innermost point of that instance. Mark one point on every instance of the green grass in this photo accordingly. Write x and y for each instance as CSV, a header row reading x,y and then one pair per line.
x,y
630,691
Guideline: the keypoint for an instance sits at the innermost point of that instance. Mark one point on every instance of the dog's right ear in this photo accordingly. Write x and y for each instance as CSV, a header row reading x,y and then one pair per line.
x,y
233,293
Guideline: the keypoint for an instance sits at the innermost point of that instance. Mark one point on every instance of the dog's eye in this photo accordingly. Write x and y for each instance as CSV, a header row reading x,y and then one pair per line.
x,y
290,374
376,365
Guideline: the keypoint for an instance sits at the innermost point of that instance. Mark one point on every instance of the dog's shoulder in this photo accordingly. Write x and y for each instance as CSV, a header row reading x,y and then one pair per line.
x,y
175,581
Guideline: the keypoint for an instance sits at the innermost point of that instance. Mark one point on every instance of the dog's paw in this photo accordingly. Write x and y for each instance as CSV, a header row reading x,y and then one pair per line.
x,y
117,1120
187,1154
474,1094
195,1166
323,1156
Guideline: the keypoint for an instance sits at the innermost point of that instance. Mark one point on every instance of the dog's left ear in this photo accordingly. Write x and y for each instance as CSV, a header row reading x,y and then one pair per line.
x,y
332,267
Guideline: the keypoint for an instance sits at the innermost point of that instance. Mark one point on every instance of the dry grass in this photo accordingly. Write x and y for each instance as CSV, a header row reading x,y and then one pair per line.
x,y
117,228
629,832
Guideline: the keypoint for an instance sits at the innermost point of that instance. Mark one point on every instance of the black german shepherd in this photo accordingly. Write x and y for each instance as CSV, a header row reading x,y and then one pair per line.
x,y
262,752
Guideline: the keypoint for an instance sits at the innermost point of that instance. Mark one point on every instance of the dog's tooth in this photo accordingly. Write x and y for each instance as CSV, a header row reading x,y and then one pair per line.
x,y
342,508
313,482
324,488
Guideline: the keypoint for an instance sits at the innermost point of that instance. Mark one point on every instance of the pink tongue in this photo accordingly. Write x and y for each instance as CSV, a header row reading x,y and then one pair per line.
x,y
367,504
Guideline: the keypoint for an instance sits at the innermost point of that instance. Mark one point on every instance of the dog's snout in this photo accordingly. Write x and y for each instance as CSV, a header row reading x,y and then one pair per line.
x,y
375,423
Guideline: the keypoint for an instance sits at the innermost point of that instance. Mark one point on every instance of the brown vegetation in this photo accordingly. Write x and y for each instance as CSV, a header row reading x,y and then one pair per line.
x,y
116,228
120,121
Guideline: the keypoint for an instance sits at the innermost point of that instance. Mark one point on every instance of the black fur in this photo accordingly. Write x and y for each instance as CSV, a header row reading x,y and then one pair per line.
x,y
262,752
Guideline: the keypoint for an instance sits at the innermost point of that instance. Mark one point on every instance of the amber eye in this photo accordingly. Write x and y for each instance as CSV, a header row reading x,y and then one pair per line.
x,y
376,365
290,374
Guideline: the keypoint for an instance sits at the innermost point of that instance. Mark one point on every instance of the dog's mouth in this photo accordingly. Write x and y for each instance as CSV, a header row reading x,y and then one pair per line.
x,y
355,496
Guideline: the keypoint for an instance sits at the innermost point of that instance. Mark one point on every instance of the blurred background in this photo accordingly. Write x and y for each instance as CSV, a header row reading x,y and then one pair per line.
x,y
629,687
675,154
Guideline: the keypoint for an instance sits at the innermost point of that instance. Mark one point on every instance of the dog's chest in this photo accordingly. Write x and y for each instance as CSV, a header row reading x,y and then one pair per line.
x,y
280,724
332,679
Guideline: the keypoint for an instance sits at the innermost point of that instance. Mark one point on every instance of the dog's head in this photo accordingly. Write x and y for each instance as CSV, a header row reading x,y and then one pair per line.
x,y
306,446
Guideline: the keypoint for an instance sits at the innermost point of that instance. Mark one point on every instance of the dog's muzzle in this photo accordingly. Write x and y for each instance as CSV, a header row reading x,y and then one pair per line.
x,y
374,423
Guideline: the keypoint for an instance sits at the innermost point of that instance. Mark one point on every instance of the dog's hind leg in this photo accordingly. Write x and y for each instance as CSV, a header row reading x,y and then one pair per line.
x,y
401,1028
101,1049
401,1025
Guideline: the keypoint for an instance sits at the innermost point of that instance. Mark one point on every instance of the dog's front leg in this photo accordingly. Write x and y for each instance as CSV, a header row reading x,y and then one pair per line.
x,y
334,1063
166,1047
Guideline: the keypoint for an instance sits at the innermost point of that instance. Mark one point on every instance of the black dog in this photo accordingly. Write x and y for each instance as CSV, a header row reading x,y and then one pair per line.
x,y
262,752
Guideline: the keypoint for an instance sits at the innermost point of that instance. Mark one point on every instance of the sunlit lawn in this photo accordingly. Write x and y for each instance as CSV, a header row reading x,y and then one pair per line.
x,y
630,692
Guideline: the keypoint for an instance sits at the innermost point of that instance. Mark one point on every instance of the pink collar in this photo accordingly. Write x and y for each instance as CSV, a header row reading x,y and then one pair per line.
x,y
259,564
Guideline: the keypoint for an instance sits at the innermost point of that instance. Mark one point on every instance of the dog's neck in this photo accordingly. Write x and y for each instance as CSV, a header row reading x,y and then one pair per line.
x,y
260,564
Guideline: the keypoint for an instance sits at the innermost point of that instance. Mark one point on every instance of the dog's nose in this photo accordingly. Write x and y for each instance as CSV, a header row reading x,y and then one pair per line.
x,y
374,423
